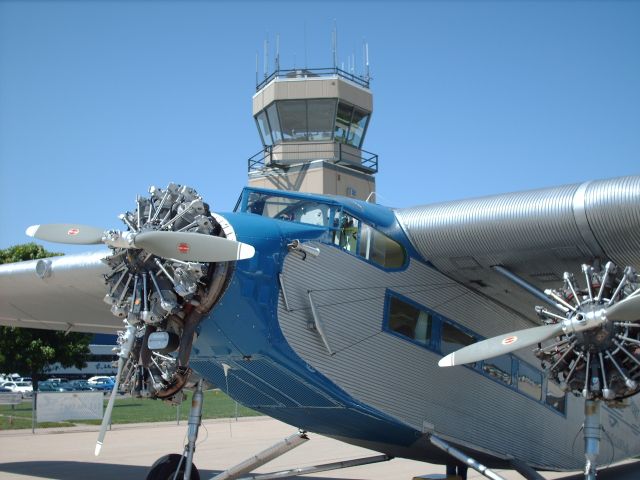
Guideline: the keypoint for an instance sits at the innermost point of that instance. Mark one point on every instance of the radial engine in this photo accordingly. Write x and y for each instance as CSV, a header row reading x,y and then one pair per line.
x,y
164,298
597,354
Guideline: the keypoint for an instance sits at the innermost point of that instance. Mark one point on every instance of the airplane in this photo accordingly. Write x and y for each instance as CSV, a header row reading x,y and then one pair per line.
x,y
337,316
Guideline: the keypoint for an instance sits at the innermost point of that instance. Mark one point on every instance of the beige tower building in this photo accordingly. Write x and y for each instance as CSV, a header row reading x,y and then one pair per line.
x,y
312,125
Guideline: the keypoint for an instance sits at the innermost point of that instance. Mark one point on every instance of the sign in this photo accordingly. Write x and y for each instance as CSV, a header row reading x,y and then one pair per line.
x,y
56,406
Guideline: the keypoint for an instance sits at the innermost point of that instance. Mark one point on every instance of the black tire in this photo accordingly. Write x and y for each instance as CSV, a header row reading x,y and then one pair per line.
x,y
165,467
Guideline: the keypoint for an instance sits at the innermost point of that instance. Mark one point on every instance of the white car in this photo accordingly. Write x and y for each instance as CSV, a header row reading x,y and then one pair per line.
x,y
25,388
99,379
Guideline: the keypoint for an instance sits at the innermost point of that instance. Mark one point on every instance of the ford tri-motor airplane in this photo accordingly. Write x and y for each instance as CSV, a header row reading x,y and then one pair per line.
x,y
332,315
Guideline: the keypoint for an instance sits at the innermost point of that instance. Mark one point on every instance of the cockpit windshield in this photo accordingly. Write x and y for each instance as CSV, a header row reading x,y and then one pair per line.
x,y
290,209
345,231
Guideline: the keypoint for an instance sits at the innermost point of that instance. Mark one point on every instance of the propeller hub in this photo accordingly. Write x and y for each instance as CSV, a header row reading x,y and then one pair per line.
x,y
597,354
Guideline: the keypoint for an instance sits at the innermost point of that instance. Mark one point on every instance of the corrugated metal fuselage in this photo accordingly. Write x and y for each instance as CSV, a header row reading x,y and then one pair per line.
x,y
365,384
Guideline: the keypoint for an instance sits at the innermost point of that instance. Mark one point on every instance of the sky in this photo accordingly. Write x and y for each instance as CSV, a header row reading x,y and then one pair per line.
x,y
101,99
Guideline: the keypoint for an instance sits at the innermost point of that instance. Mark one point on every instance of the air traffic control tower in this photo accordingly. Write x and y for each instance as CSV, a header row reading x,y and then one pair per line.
x,y
312,124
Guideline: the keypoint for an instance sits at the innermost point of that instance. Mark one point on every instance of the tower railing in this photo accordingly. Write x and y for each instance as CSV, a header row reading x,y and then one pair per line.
x,y
314,72
362,160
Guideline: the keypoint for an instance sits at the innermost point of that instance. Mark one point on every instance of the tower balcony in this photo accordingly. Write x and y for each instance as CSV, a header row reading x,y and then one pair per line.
x,y
288,154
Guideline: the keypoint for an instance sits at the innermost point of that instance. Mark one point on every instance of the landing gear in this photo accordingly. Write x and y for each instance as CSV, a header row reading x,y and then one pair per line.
x,y
181,467
171,467
457,470
591,437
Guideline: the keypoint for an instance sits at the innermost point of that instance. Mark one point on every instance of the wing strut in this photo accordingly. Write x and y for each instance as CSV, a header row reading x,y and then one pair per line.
x,y
466,459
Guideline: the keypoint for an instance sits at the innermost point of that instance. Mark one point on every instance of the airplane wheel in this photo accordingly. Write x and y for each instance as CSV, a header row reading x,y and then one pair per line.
x,y
165,468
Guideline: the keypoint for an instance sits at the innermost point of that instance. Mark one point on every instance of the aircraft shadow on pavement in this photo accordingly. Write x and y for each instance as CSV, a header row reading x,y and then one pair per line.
x,y
628,471
61,470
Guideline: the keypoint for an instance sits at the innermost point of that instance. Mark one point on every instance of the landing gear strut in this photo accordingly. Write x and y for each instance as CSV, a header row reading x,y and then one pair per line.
x,y
591,437
181,467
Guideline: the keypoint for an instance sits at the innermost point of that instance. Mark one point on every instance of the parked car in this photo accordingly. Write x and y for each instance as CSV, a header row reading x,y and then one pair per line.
x,y
58,380
105,385
99,378
82,385
47,386
25,388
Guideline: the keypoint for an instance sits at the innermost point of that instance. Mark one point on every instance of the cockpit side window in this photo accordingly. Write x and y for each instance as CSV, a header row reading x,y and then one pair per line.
x,y
346,234
378,248
365,241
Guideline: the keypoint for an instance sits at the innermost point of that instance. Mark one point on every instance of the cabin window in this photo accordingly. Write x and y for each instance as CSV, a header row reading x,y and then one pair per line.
x,y
409,321
499,368
556,397
452,338
378,248
529,381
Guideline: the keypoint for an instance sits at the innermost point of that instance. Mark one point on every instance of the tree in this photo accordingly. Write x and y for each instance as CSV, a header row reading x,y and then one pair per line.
x,y
28,350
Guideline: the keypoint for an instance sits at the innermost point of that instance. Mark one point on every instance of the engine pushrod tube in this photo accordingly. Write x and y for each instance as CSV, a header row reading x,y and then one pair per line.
x,y
523,284
477,466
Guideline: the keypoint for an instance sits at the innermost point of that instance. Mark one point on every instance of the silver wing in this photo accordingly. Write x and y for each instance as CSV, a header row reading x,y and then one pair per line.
x,y
537,235
59,293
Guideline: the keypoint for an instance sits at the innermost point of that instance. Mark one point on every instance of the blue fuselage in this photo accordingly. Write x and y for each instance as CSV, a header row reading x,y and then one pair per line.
x,y
241,348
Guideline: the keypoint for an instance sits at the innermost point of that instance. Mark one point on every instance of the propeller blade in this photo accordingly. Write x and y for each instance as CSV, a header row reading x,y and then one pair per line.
x,y
193,247
106,418
496,346
129,338
628,310
67,233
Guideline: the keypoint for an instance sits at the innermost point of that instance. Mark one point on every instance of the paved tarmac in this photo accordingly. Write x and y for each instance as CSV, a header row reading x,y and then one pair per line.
x,y
129,450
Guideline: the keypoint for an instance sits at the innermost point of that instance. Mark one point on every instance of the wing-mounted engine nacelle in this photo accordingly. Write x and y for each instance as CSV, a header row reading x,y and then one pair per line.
x,y
597,355
164,298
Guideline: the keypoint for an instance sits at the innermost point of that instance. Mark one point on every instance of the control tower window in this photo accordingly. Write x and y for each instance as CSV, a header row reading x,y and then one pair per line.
x,y
263,128
351,124
321,115
274,123
293,119
343,122
358,125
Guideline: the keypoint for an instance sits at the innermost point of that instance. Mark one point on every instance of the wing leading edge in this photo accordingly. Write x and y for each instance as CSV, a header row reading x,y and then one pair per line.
x,y
537,234
58,293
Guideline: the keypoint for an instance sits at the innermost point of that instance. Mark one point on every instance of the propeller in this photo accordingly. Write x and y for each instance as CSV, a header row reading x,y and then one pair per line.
x,y
67,233
628,310
187,246
123,355
496,346
625,310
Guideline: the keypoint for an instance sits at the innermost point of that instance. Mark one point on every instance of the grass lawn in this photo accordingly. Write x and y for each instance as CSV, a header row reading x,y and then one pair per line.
x,y
132,410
